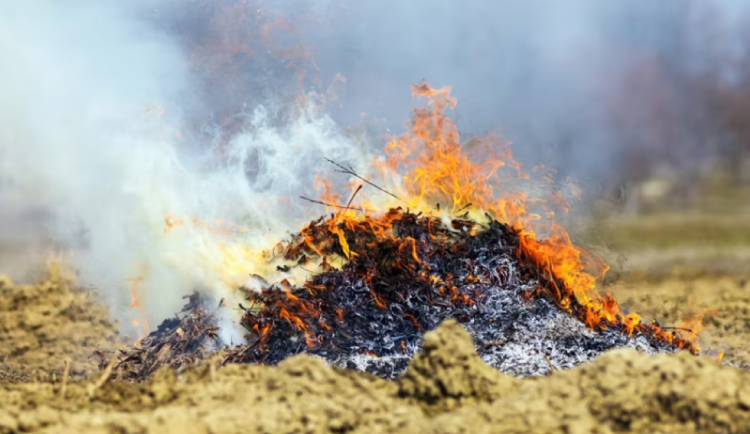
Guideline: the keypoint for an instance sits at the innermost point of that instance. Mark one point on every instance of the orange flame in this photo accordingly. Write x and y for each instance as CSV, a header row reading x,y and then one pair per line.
x,y
434,167
221,227
430,165
135,303
170,222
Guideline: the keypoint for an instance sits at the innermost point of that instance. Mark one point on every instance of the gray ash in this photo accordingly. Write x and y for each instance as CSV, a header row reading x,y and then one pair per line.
x,y
519,337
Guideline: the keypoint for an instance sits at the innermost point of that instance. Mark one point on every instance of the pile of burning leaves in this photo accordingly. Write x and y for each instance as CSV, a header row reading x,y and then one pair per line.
x,y
403,274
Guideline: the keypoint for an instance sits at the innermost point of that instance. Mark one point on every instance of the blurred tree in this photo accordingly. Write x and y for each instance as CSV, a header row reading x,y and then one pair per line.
x,y
730,102
681,95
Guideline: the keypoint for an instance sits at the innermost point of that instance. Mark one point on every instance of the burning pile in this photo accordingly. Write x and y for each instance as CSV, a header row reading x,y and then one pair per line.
x,y
409,273
384,280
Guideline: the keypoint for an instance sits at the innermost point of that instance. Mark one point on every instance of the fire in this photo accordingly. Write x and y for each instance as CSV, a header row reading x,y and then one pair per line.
x,y
429,170
431,166
227,257
135,303
170,222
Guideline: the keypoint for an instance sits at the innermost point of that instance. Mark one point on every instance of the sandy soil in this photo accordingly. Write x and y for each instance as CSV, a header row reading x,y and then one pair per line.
x,y
44,325
671,299
447,388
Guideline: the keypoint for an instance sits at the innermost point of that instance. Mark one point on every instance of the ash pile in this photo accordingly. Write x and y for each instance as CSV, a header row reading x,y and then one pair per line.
x,y
404,274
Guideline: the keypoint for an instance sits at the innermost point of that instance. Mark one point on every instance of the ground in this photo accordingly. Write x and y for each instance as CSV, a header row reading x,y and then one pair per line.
x,y
670,263
665,265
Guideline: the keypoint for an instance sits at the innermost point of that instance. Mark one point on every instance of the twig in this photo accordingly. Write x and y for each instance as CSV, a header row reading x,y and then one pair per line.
x,y
330,205
352,198
491,344
350,171
549,362
104,377
64,386
463,208
681,329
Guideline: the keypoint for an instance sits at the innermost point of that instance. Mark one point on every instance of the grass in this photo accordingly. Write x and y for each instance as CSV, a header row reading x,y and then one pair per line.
x,y
669,230
712,237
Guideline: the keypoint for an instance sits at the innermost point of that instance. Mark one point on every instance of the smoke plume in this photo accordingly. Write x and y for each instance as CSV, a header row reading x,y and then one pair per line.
x,y
93,137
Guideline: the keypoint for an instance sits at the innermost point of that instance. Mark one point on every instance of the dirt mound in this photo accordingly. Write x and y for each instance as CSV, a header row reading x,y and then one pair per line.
x,y
446,390
302,394
623,391
44,324
447,374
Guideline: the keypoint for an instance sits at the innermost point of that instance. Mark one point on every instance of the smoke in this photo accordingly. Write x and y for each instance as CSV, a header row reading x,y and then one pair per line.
x,y
119,115
549,74
541,71
92,136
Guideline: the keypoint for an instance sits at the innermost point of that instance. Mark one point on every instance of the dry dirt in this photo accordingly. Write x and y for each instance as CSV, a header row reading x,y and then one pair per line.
x,y
44,325
447,389
671,299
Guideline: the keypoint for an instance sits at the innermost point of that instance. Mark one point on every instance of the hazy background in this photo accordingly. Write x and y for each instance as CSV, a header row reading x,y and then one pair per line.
x,y
114,114
608,91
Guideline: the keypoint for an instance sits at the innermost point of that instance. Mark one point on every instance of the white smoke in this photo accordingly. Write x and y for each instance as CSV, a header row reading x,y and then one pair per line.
x,y
83,138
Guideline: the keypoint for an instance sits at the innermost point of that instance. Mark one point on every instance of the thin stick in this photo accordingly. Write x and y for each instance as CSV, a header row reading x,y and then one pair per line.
x,y
352,198
680,329
105,376
350,171
549,362
470,204
330,205
491,344
64,386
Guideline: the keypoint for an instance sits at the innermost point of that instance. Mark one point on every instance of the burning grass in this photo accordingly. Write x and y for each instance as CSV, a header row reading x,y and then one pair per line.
x,y
383,281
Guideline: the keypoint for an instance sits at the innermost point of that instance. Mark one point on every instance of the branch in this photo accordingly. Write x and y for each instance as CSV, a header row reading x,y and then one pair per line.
x,y
330,204
359,187
350,171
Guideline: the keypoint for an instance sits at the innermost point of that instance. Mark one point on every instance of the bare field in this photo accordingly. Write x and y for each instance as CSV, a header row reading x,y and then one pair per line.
x,y
447,389
668,264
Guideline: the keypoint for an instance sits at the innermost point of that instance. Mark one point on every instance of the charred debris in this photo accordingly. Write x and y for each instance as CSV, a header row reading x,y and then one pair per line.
x,y
404,274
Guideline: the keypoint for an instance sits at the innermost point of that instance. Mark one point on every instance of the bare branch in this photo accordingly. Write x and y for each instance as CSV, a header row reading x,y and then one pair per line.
x,y
350,171
352,198
331,205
